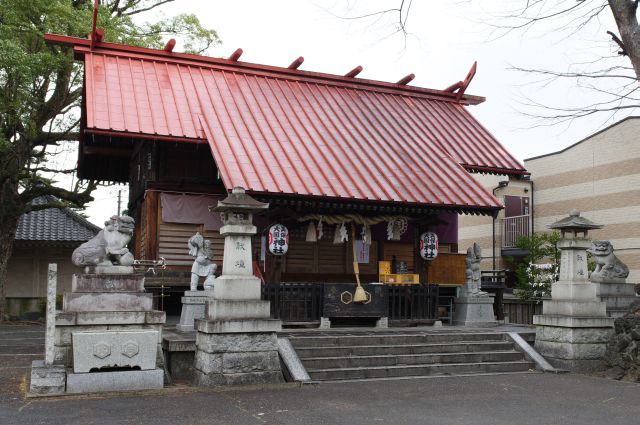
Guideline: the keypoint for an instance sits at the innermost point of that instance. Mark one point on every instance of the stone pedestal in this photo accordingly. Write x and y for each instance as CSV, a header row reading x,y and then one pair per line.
x,y
573,329
47,379
236,342
107,336
617,294
474,311
193,304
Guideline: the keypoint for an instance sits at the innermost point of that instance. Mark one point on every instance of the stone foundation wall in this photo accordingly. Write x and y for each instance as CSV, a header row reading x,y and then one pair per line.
x,y
236,359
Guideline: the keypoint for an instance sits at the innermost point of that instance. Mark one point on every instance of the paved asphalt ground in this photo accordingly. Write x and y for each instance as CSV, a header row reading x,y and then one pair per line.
x,y
531,398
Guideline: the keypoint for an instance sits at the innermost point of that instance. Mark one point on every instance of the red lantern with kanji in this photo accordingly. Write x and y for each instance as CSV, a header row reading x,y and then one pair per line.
x,y
429,246
278,239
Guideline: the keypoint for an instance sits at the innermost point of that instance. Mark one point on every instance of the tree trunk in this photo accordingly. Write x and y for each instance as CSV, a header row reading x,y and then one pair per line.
x,y
11,208
8,224
624,12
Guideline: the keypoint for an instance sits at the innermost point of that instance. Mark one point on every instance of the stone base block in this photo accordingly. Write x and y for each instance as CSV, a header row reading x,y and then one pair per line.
x,y
577,365
580,347
196,297
234,359
193,308
234,343
239,326
616,289
108,270
474,311
230,287
253,378
325,323
574,308
116,301
572,322
573,335
47,380
382,322
130,380
96,350
615,280
237,310
107,283
582,291
569,351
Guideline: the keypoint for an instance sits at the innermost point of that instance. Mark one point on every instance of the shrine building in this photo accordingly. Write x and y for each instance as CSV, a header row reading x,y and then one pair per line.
x,y
335,156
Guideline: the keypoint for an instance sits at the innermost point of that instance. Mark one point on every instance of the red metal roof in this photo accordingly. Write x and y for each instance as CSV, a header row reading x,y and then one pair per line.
x,y
284,131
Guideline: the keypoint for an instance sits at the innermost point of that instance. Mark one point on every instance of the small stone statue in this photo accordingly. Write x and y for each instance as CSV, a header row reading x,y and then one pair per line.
x,y
472,272
203,266
608,266
109,247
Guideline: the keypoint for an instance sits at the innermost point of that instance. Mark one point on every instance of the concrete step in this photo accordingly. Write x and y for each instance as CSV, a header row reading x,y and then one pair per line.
x,y
390,339
376,350
400,378
318,363
356,373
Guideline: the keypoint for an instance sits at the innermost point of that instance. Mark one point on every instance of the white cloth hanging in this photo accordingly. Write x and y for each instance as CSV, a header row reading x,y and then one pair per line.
x,y
311,233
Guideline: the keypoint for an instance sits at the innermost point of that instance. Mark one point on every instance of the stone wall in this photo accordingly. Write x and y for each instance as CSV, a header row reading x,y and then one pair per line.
x,y
623,350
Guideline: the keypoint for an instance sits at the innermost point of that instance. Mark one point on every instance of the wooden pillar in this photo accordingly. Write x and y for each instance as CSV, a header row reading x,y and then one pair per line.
x,y
151,218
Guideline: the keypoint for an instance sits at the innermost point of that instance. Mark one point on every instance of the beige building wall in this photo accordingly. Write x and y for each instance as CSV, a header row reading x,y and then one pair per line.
x,y
599,176
478,229
27,271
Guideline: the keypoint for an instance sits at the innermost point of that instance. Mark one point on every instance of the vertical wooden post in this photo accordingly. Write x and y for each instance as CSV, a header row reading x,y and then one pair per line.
x,y
151,218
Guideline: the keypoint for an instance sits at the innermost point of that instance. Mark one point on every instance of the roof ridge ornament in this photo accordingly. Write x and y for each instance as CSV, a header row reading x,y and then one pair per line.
x,y
461,86
97,34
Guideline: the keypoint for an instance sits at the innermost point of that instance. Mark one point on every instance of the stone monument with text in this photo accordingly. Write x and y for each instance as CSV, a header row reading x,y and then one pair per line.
x,y
236,341
573,329
473,307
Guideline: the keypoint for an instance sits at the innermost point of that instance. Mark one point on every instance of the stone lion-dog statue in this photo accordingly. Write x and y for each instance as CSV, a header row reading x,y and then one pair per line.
x,y
608,266
109,246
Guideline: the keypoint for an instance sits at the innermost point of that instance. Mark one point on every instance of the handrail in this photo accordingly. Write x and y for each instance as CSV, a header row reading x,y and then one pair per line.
x,y
513,228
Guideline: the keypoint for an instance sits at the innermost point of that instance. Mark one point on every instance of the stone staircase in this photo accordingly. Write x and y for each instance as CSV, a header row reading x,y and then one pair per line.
x,y
375,355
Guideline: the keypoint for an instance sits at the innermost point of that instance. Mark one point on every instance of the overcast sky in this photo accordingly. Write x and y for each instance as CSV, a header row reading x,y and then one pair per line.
x,y
445,38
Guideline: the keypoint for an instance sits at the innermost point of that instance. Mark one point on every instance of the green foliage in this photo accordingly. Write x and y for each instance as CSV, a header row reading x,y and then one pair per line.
x,y
40,85
540,268
41,90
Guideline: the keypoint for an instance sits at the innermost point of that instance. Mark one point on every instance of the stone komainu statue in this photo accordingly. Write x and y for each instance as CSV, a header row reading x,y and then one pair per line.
x,y
203,266
608,266
109,247
472,271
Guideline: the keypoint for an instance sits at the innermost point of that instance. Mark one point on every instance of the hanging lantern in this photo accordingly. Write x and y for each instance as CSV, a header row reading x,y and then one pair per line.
x,y
278,239
311,233
429,246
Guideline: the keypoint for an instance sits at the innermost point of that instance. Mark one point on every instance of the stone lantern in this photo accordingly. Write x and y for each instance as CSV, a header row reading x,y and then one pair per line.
x,y
237,281
573,246
236,341
573,329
